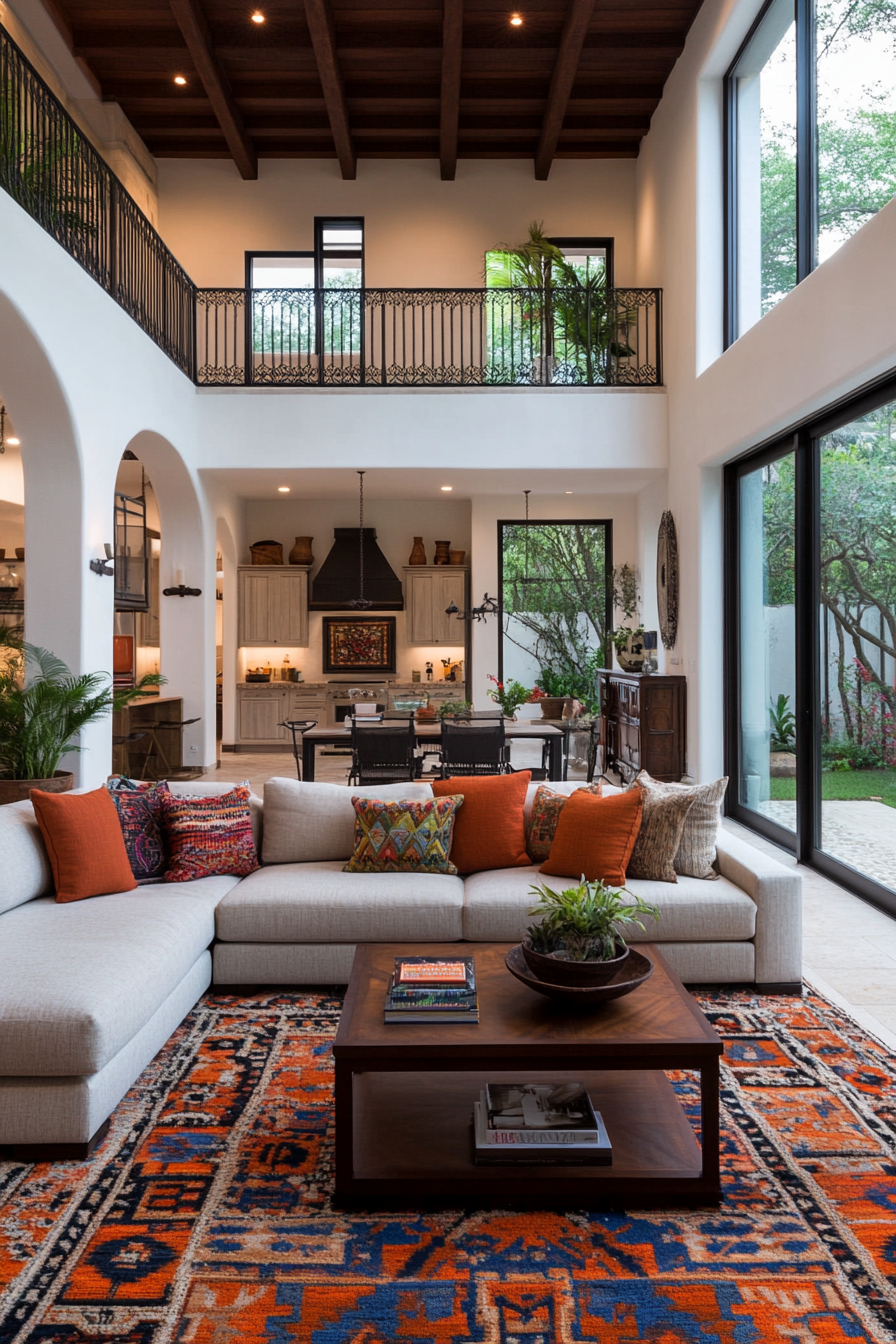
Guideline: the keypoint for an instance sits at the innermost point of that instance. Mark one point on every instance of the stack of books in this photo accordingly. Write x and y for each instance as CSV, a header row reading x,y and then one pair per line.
x,y
538,1124
423,989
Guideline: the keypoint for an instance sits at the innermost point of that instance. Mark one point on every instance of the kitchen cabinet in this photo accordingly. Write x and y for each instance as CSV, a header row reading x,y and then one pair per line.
x,y
260,715
643,724
273,605
307,704
428,590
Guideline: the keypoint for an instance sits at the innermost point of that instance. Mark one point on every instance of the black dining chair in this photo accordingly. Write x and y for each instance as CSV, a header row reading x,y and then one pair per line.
x,y
382,754
297,727
473,747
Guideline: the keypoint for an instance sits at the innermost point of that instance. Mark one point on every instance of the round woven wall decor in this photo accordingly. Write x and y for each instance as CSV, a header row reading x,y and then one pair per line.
x,y
667,579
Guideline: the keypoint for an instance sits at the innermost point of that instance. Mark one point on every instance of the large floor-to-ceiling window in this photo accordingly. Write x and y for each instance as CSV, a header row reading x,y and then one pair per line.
x,y
811,642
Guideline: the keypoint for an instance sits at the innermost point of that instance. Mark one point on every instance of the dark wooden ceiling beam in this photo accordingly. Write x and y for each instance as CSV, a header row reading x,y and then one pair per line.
x,y
565,69
319,18
452,57
192,23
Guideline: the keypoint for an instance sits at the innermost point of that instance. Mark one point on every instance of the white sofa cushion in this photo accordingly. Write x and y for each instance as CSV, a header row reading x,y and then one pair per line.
x,y
26,868
78,981
496,905
311,823
319,903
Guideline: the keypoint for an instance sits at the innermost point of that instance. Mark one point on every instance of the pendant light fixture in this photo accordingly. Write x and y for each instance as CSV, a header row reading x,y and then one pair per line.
x,y
360,603
2,429
527,577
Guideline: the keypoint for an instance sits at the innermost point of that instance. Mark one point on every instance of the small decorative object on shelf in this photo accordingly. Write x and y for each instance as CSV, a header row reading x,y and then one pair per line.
x,y
266,553
443,551
418,554
456,557
301,553
539,1123
20,554
649,642
426,989
489,606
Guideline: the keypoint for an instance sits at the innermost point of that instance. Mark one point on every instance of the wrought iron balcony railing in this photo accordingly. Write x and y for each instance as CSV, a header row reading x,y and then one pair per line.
x,y
569,337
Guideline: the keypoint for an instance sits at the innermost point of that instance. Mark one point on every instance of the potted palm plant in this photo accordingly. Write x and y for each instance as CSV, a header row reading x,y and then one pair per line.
x,y
43,709
579,939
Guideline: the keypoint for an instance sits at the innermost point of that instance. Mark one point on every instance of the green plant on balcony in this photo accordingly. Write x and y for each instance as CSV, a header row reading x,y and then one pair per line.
x,y
40,164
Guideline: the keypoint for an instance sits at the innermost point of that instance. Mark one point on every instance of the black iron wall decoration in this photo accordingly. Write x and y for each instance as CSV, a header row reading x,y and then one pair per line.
x,y
667,579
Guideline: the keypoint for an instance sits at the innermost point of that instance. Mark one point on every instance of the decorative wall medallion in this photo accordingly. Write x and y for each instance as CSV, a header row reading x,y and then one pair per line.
x,y
359,644
667,579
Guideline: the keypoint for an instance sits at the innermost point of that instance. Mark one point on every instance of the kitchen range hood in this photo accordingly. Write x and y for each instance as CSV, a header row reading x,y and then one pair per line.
x,y
336,584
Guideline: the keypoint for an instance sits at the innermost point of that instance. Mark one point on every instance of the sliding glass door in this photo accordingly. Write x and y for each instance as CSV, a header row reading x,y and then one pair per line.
x,y
811,643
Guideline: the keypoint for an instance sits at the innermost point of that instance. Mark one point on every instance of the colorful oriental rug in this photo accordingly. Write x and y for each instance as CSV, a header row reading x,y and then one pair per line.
x,y
205,1216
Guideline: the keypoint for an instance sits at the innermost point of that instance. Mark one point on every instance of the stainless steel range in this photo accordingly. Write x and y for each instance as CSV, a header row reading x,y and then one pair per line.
x,y
342,695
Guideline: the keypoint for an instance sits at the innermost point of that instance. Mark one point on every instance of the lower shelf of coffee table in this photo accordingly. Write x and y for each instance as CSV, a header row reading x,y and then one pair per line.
x,y
413,1137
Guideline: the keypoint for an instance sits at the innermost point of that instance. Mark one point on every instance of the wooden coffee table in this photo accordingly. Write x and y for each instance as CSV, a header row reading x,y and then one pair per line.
x,y
405,1093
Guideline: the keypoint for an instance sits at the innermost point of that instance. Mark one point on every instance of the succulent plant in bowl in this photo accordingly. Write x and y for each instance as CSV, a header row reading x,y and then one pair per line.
x,y
579,939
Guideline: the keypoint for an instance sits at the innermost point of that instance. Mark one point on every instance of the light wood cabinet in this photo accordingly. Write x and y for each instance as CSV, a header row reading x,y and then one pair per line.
x,y
307,707
273,605
428,590
260,716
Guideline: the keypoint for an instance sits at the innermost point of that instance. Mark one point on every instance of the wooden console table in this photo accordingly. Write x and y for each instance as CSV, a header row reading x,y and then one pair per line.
x,y
643,724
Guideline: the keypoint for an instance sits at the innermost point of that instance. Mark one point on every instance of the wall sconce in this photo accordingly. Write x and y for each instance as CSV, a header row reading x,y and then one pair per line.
x,y
104,566
488,607
179,590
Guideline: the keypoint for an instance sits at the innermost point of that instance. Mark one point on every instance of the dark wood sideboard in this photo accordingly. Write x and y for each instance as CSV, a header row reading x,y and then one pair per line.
x,y
643,724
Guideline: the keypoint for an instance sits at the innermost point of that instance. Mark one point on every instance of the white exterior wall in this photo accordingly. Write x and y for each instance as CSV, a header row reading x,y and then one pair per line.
x,y
825,339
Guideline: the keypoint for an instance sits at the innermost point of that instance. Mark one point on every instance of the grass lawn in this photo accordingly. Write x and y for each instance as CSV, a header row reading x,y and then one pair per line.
x,y
845,784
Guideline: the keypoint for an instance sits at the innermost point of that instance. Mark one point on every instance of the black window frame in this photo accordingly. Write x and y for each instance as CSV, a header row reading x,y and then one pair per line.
x,y
605,523
803,440
806,159
606,243
322,222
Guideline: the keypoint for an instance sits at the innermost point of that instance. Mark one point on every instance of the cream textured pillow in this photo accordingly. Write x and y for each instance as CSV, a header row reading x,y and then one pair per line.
x,y
315,823
697,847
662,823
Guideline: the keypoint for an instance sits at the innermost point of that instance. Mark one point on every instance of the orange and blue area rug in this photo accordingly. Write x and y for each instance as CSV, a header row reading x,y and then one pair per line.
x,y
205,1216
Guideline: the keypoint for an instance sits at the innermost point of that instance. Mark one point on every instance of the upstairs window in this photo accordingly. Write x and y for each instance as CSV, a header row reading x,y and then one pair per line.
x,y
811,109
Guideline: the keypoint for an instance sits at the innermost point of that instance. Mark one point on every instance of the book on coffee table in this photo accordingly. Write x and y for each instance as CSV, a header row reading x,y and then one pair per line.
x,y
424,989
516,1147
540,1112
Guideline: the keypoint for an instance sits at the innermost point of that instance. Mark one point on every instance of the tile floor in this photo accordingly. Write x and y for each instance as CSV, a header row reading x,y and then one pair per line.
x,y
849,947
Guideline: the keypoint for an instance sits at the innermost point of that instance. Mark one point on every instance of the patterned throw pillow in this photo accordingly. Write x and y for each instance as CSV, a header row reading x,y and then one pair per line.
x,y
140,815
697,847
545,814
209,836
403,837
662,822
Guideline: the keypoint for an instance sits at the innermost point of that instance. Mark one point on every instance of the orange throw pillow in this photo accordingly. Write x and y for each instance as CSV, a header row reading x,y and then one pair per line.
x,y
489,830
84,843
595,836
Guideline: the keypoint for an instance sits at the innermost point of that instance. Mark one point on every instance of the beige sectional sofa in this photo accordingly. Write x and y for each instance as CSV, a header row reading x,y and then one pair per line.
x,y
90,991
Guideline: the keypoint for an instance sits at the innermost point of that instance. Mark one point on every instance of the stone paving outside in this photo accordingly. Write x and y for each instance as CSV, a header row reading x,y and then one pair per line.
x,y
860,833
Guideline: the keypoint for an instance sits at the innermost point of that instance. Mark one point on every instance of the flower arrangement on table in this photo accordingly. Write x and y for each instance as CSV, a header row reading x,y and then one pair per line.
x,y
511,694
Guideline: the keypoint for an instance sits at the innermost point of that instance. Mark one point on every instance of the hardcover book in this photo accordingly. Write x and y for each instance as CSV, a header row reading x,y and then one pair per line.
x,y
513,1147
537,1109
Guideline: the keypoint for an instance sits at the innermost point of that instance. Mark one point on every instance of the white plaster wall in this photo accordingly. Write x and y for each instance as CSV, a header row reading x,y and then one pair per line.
x,y
460,428
825,339
419,231
622,509
82,383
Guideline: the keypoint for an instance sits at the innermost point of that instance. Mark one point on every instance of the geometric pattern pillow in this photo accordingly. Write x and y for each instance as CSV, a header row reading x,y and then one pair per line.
x,y
140,815
545,814
403,837
209,836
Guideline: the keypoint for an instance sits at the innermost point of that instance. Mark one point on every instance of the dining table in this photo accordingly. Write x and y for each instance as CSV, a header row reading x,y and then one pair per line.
x,y
428,733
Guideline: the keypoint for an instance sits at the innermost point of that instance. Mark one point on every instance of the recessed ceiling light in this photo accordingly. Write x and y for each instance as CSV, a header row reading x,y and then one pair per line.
x,y
283,489
569,492
444,487
516,20
14,443
179,79
258,17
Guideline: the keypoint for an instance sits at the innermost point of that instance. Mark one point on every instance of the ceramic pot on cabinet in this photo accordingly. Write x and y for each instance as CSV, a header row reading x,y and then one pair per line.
x,y
301,552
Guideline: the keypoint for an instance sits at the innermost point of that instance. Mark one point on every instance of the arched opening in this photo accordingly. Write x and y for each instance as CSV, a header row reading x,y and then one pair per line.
x,y
12,524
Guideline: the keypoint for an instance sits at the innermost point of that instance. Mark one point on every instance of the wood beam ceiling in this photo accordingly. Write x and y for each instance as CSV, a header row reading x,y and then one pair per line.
x,y
565,70
319,17
452,59
193,25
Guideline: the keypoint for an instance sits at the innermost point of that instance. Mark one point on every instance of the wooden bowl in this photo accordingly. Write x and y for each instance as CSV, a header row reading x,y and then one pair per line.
x,y
556,970
636,970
